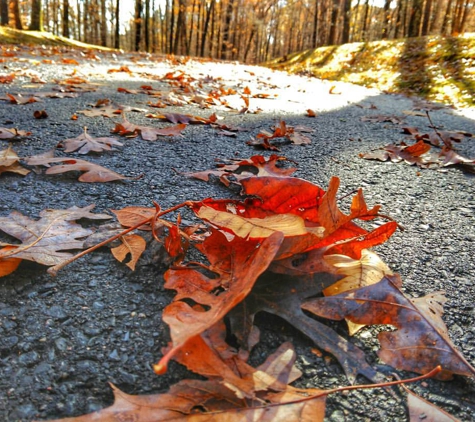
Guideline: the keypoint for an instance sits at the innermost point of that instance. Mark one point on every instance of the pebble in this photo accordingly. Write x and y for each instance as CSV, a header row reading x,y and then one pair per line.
x,y
29,358
57,312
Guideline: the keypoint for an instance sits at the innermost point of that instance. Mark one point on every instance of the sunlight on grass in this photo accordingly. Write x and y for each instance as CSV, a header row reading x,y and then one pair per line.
x,y
437,68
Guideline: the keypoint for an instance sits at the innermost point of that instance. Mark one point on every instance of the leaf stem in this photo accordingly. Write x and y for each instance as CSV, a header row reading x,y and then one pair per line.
x,y
430,374
54,270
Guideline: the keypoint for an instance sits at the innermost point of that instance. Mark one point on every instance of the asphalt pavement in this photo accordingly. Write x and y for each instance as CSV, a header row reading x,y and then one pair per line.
x,y
64,338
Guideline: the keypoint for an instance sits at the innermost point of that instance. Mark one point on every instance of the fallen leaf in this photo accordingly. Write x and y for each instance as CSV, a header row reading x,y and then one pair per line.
x,y
40,114
148,133
383,118
422,410
13,134
47,240
233,170
9,162
185,118
131,216
133,245
421,341
283,296
120,69
237,262
7,79
92,172
20,99
85,143
215,401
8,265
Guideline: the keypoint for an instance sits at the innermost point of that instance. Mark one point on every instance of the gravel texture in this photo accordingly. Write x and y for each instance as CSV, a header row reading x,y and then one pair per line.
x,y
63,339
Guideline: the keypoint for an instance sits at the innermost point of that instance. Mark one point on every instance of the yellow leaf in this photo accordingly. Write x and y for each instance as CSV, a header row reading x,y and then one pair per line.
x,y
132,244
288,224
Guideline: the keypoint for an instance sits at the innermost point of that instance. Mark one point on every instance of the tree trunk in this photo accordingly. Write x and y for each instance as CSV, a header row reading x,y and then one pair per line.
x,y
364,30
4,12
147,25
209,12
226,28
138,24
315,24
103,24
15,12
85,21
79,19
172,26
426,18
36,21
65,18
387,20
345,35
448,13
466,13
333,36
117,25
415,19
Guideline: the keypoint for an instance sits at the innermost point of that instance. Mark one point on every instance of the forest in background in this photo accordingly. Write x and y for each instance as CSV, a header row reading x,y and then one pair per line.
x,y
250,31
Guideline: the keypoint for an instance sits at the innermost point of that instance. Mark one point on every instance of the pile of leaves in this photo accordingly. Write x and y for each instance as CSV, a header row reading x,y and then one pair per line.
x,y
287,249
430,150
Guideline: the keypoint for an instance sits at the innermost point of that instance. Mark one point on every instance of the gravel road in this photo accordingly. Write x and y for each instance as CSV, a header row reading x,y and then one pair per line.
x,y
63,339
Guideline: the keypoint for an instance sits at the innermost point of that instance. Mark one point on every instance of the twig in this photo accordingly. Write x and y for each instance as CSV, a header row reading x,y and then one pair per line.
x,y
26,247
447,144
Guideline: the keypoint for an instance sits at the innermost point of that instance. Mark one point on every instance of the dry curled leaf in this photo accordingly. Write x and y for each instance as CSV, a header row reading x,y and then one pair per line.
x,y
13,134
233,170
133,245
421,341
85,143
9,162
91,172
128,129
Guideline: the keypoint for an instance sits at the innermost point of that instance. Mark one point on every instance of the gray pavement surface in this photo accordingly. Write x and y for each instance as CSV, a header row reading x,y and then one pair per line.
x,y
63,339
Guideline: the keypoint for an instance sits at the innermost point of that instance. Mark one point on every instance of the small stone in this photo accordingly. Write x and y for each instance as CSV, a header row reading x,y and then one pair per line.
x,y
115,356
57,312
61,344
29,358
98,305
24,412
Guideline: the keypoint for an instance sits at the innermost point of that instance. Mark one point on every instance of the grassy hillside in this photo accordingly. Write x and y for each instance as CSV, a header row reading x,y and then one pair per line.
x,y
16,37
434,67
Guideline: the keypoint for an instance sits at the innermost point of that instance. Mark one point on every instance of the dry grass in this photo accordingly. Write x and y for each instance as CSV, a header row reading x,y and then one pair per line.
x,y
16,37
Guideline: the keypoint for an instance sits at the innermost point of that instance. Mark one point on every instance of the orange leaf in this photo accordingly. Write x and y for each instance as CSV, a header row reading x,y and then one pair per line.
x,y
237,262
283,195
8,265
131,216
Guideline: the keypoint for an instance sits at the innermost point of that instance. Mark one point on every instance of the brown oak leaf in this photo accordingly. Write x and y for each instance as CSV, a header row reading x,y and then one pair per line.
x,y
85,143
